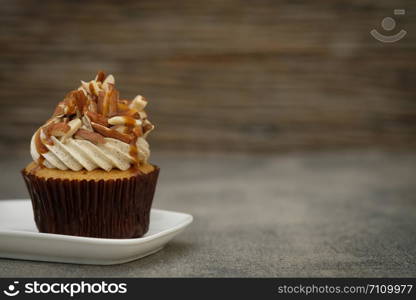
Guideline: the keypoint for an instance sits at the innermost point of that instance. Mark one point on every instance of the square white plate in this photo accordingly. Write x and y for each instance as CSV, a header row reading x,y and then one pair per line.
x,y
20,239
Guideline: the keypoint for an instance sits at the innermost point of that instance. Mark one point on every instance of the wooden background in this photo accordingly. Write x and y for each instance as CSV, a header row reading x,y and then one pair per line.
x,y
252,76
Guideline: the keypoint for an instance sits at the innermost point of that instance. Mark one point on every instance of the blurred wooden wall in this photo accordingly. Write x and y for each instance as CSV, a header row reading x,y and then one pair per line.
x,y
226,75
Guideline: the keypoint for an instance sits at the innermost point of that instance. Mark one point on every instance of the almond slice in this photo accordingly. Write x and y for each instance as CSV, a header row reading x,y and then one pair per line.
x,y
147,127
108,82
107,86
138,131
107,102
112,102
81,88
70,103
40,147
80,100
74,125
100,102
142,115
59,110
85,86
138,103
97,118
124,120
100,76
93,88
120,128
111,133
130,113
93,137
86,122
57,129
92,105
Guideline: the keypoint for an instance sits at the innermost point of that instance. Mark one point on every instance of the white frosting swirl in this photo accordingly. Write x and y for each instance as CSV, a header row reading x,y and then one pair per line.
x,y
76,154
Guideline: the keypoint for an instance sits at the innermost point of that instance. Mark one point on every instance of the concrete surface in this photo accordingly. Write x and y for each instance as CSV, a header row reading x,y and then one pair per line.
x,y
315,214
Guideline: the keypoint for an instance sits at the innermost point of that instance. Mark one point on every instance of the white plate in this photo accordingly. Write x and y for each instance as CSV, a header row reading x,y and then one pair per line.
x,y
20,239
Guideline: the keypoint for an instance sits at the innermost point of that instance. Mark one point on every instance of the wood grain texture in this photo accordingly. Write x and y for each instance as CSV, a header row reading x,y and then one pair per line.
x,y
220,75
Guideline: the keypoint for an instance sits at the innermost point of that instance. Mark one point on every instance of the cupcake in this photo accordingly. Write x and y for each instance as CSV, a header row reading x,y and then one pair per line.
x,y
90,174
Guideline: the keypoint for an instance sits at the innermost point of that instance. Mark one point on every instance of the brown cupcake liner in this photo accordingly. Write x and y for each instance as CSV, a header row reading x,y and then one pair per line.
x,y
105,208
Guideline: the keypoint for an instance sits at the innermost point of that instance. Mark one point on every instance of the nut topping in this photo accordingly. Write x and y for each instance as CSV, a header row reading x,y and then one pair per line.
x,y
93,112
109,82
74,125
80,100
100,102
112,102
93,88
111,133
93,137
138,131
57,129
124,120
59,110
147,127
92,106
86,123
138,103
120,128
100,76
97,118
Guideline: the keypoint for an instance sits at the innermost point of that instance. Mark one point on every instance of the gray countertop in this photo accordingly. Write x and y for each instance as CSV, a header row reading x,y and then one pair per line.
x,y
302,214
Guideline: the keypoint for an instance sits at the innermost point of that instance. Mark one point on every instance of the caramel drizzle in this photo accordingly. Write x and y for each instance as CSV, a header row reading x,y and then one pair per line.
x,y
100,76
133,152
40,148
41,160
122,106
130,123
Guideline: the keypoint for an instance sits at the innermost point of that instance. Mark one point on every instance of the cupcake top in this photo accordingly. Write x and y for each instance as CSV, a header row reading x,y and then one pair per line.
x,y
93,128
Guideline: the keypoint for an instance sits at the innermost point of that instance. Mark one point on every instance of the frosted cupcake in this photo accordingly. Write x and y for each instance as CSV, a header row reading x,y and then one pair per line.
x,y
90,174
